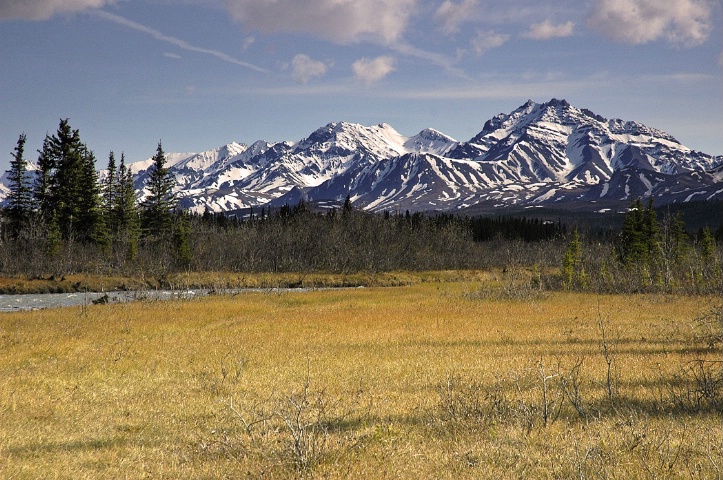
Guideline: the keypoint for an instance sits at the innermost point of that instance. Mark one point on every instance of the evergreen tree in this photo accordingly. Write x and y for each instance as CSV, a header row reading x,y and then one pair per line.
x,y
632,248
110,192
127,228
44,180
347,208
571,261
20,197
160,203
707,245
67,192
91,222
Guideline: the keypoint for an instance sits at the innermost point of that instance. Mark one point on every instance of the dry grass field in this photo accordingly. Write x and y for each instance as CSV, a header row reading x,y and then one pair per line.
x,y
432,380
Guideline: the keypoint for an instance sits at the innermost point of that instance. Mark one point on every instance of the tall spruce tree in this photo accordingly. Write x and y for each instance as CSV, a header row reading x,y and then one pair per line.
x,y
66,189
110,192
44,180
160,203
91,222
125,211
631,245
20,196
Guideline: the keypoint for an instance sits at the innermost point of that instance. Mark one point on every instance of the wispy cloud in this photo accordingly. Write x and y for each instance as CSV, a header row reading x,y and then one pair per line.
x,y
547,30
304,68
382,21
175,56
683,22
486,40
452,14
182,44
44,9
248,42
371,71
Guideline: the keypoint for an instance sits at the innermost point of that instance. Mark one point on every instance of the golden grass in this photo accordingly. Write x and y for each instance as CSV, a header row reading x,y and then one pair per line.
x,y
423,381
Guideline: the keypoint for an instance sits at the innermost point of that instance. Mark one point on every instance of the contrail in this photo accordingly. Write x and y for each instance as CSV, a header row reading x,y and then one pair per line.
x,y
175,41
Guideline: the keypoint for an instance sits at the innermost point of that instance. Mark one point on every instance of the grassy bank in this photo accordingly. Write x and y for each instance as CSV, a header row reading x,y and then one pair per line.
x,y
433,380
21,284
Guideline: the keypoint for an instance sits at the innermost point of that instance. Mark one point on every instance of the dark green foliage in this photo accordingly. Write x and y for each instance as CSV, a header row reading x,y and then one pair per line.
x,y
632,245
347,208
19,198
160,203
66,190
110,194
127,223
512,228
707,244
44,180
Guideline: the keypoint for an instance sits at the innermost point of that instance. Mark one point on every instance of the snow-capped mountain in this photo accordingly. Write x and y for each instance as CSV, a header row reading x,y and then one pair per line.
x,y
539,154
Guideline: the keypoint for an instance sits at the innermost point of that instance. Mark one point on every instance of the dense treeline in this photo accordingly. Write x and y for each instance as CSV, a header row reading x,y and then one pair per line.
x,y
66,220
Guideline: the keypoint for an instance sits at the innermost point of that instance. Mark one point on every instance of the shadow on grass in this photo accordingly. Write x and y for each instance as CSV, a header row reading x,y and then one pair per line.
x,y
70,446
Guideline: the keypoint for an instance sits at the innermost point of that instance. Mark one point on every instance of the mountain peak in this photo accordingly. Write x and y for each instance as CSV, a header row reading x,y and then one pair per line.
x,y
558,103
540,153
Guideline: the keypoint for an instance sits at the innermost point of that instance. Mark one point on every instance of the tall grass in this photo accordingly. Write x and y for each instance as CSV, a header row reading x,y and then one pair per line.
x,y
422,381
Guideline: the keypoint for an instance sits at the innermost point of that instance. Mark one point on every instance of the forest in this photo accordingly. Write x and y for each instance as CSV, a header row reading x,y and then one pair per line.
x,y
64,219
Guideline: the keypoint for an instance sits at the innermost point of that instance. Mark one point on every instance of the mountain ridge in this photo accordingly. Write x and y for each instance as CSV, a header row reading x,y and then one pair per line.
x,y
539,154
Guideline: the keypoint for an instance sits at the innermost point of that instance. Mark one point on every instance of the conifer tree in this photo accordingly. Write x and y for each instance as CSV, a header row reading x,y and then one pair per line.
x,y
91,222
571,260
126,211
44,180
707,245
66,190
632,247
20,197
110,192
160,203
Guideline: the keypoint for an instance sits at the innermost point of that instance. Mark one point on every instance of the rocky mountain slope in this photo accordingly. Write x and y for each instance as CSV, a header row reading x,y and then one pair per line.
x,y
541,154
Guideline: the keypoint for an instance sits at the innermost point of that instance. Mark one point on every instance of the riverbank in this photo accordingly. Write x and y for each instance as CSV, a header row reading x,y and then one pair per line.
x,y
86,283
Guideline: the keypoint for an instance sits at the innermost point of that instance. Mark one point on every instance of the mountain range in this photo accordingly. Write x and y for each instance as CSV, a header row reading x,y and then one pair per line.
x,y
541,154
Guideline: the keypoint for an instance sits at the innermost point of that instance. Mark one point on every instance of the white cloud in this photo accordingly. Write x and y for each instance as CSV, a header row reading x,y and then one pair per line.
x,y
175,56
684,22
488,39
452,15
547,30
371,71
304,68
248,42
44,9
340,21
175,41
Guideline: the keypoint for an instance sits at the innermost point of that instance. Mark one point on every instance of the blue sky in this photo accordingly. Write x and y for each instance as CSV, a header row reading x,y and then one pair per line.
x,y
200,74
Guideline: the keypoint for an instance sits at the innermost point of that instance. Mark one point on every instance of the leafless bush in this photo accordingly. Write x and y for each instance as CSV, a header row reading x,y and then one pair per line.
x,y
300,429
708,327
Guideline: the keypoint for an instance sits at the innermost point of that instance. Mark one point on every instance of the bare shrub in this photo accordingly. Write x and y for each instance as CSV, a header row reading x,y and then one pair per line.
x,y
300,429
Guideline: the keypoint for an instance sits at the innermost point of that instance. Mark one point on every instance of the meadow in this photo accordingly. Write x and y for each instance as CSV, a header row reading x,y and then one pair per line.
x,y
444,378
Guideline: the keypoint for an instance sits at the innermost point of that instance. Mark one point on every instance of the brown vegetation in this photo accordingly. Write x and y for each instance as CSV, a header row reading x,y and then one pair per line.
x,y
477,379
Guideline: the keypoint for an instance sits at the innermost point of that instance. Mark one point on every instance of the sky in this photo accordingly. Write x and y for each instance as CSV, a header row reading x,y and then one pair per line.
x,y
197,75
